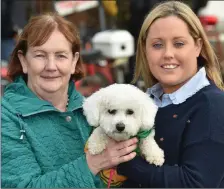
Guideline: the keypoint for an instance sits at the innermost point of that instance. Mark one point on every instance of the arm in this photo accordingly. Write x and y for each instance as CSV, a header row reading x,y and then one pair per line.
x,y
201,162
201,156
21,169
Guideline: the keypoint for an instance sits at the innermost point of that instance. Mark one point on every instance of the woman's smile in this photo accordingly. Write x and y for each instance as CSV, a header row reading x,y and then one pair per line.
x,y
50,77
170,66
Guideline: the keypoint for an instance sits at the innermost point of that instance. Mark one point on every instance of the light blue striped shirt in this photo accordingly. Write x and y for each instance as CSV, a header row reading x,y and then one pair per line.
x,y
197,82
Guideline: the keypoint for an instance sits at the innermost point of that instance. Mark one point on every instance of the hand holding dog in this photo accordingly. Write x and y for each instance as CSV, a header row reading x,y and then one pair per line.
x,y
114,154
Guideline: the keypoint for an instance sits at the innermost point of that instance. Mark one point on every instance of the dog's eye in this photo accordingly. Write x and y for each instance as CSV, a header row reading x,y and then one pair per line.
x,y
129,112
112,112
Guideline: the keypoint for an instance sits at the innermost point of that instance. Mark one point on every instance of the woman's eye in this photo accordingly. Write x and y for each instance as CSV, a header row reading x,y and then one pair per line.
x,y
179,44
40,55
112,112
157,45
61,56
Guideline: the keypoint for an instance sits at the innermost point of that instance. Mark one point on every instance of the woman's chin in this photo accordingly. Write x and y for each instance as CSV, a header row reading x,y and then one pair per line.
x,y
51,88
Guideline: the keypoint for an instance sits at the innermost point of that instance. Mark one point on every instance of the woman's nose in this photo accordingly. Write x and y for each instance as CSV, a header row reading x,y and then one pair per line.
x,y
51,64
168,52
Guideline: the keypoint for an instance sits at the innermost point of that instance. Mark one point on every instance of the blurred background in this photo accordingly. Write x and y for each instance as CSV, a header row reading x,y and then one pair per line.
x,y
108,31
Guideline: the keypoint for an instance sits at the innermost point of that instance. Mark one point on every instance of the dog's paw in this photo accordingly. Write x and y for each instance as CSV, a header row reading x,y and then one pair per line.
x,y
96,148
156,157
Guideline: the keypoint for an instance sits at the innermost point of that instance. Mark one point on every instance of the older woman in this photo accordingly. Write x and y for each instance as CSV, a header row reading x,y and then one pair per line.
x,y
182,74
43,127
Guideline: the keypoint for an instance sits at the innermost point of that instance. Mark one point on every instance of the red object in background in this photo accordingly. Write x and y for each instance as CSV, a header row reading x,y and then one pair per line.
x,y
208,20
4,78
98,75
4,72
97,70
92,69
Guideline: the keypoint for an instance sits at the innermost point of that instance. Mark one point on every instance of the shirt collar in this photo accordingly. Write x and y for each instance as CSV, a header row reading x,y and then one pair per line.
x,y
156,90
197,82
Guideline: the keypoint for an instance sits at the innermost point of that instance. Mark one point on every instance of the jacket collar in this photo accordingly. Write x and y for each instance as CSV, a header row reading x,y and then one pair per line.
x,y
27,103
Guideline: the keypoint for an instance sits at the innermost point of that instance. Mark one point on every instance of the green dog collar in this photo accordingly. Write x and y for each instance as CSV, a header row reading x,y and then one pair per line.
x,y
141,135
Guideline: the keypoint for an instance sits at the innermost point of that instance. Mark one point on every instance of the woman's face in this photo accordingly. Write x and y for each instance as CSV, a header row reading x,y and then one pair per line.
x,y
171,52
49,66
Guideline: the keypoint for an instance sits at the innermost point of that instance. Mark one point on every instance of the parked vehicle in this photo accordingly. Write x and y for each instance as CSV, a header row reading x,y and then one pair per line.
x,y
213,14
212,18
105,60
97,70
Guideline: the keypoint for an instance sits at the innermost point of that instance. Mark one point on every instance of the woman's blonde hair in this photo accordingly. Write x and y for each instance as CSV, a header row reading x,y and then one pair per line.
x,y
184,12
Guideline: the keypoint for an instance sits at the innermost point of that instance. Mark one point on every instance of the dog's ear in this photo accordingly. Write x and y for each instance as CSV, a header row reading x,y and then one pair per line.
x,y
91,108
148,113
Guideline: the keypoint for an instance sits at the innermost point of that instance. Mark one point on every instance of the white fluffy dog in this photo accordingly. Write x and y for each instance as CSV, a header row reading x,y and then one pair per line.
x,y
120,111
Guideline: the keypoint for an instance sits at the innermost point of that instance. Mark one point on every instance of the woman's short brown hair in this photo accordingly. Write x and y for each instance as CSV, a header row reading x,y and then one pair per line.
x,y
36,33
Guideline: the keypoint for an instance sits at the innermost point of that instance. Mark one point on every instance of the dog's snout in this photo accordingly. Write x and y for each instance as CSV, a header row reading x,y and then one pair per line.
x,y
120,127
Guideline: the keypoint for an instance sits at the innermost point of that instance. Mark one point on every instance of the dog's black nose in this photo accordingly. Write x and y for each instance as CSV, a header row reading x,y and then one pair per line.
x,y
120,127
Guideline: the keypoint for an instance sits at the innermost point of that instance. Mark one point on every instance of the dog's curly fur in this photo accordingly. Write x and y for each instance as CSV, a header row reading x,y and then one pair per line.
x,y
120,111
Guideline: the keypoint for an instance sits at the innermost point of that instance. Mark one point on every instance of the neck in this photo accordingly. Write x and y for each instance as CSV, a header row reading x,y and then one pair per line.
x,y
58,99
170,89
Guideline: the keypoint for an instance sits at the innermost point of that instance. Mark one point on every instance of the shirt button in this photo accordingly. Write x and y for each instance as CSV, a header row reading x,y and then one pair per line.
x,y
175,116
68,118
161,139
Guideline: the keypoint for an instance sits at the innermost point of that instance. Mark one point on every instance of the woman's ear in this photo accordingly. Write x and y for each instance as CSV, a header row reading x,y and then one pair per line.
x,y
74,62
23,61
198,44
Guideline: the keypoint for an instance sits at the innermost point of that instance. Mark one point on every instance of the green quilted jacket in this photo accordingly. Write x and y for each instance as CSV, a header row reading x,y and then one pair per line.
x,y
42,147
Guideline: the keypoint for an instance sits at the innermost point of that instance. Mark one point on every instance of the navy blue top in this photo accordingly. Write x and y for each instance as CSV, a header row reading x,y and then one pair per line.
x,y
192,137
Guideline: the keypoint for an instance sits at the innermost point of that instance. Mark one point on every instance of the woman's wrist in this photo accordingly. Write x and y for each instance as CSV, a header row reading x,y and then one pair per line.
x,y
92,168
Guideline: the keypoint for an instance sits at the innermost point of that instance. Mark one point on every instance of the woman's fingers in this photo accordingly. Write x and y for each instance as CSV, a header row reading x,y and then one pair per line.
x,y
126,143
122,159
115,153
126,150
117,149
122,152
117,160
126,158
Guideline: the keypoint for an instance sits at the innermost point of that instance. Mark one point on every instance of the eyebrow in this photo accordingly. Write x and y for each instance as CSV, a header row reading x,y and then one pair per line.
x,y
60,51
178,37
153,38
38,50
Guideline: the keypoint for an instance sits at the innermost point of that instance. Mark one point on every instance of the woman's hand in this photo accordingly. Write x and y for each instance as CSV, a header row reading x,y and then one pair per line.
x,y
114,154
